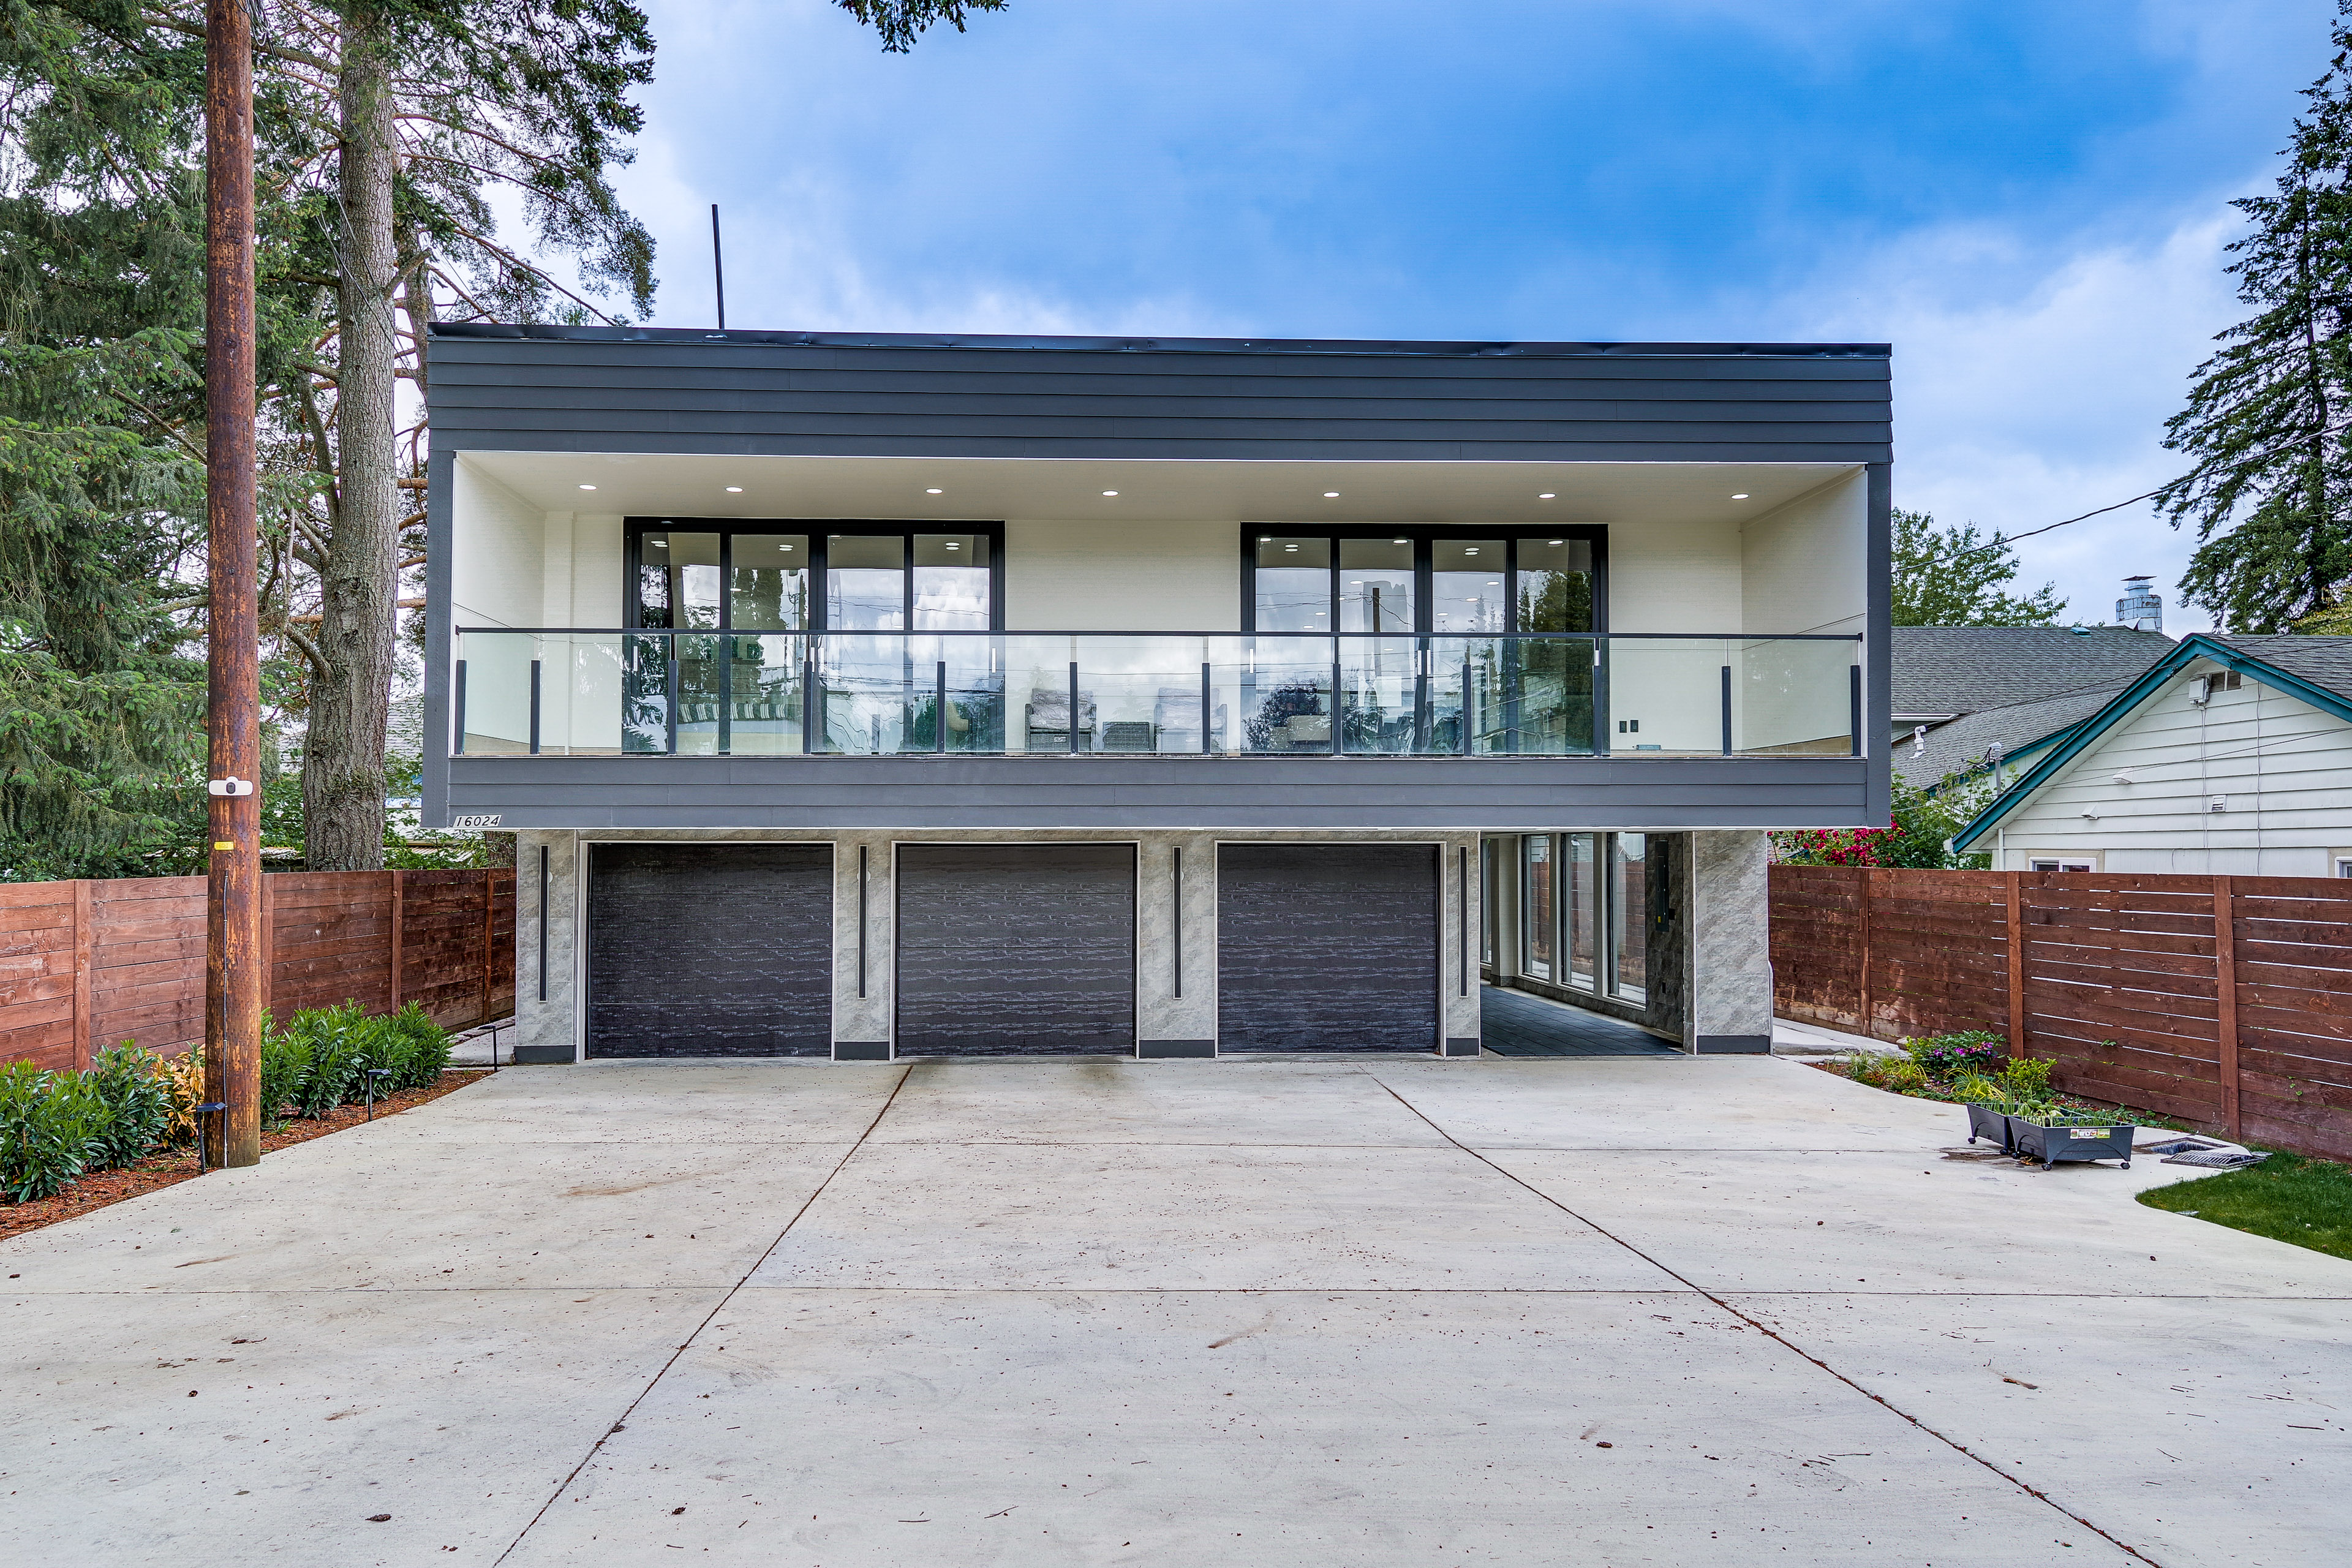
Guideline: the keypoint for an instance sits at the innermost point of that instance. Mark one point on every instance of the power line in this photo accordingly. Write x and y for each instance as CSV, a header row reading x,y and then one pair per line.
x,y
2001,542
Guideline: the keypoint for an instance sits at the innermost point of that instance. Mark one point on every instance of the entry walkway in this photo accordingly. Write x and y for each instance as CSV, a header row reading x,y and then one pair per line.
x,y
1517,1024
1712,1311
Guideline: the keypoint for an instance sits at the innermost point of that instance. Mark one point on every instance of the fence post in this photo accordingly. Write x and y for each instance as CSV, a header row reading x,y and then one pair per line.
x,y
268,946
1869,1030
2225,990
2016,962
489,940
81,1009
399,919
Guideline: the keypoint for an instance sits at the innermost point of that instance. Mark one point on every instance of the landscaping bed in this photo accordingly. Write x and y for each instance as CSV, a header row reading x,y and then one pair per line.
x,y
170,1167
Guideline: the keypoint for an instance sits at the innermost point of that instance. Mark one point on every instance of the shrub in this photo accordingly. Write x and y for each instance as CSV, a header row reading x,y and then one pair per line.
x,y
420,1046
135,1106
1949,1055
285,1062
333,1040
48,1123
1975,1088
2027,1078
184,1087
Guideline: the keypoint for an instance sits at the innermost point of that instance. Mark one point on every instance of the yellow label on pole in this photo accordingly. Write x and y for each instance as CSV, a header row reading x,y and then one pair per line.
x,y
223,844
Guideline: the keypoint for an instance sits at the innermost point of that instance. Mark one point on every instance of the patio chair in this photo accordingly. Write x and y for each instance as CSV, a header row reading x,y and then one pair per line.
x,y
1046,717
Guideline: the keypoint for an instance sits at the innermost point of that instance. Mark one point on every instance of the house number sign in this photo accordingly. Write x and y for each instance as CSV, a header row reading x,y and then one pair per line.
x,y
461,823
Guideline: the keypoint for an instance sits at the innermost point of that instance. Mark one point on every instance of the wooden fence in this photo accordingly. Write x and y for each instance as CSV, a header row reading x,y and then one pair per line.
x,y
85,965
2131,987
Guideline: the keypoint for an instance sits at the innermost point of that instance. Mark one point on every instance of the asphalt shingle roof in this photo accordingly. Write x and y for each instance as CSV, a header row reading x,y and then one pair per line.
x,y
1962,744
1968,669
2323,661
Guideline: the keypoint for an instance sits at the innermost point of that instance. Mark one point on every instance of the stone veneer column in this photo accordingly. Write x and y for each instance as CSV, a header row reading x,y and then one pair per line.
x,y
861,1023
547,1031
1729,977
1176,924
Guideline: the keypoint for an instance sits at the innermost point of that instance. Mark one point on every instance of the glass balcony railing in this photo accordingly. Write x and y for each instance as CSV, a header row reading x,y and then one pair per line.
x,y
707,694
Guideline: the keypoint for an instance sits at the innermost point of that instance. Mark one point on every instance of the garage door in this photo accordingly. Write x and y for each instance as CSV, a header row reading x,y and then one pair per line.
x,y
710,949
1016,950
1326,947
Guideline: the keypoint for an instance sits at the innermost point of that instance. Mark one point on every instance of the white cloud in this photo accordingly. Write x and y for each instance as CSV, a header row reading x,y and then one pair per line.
x,y
2045,397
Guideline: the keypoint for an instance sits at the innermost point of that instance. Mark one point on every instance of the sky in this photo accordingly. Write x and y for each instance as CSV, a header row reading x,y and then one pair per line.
x,y
2029,200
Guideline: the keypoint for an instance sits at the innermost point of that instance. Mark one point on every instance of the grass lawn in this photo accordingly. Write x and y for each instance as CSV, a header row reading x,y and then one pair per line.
x,y
2286,1198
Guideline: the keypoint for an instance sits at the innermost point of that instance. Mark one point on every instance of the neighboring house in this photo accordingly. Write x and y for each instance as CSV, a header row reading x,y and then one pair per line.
x,y
2233,755
888,695
1992,699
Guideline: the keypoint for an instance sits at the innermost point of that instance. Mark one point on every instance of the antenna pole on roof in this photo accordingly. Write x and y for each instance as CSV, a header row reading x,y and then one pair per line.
x,y
718,267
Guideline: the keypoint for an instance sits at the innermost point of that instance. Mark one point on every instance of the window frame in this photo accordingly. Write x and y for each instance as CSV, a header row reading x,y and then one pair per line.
x,y
818,530
1424,537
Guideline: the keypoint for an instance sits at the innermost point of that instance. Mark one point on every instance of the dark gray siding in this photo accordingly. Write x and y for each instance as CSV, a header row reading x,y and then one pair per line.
x,y
1499,793
609,389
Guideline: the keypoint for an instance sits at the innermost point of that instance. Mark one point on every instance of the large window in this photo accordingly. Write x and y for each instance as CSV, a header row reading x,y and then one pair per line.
x,y
1583,903
1429,581
700,575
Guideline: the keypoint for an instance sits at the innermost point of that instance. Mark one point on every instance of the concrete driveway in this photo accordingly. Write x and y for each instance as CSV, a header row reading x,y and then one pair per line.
x,y
1350,1311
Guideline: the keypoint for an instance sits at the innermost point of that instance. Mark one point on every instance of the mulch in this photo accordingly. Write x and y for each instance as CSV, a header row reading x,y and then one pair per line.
x,y
176,1166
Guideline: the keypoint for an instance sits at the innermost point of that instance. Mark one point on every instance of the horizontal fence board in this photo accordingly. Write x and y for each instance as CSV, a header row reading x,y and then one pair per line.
x,y
2122,988
329,939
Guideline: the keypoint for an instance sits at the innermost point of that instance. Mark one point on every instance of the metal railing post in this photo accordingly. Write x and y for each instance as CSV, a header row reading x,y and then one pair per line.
x,y
457,700
1074,707
534,707
1853,706
1726,710
939,710
1208,689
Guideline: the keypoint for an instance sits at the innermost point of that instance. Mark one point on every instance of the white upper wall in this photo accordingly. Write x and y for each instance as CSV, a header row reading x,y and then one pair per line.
x,y
2140,798
512,564
1108,577
1802,564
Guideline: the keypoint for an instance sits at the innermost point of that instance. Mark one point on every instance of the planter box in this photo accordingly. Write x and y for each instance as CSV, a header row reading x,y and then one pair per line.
x,y
2032,1141
1990,1121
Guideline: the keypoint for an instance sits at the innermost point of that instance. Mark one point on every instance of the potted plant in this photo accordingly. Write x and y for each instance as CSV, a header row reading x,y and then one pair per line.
x,y
2049,1134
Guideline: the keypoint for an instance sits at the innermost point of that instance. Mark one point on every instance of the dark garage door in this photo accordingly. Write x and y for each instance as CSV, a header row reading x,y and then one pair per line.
x,y
710,949
1326,947
1016,949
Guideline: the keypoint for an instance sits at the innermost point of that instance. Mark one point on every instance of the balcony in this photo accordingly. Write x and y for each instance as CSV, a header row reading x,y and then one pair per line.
x,y
608,693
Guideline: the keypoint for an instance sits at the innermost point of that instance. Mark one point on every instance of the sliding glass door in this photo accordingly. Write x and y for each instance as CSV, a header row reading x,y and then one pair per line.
x,y
1583,907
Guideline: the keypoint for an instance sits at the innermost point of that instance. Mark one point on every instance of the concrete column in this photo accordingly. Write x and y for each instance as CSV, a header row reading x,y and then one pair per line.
x,y
1508,850
1457,964
1730,978
865,959
550,1030
1176,945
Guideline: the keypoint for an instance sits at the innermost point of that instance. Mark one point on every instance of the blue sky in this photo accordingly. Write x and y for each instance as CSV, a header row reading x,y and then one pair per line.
x,y
2027,199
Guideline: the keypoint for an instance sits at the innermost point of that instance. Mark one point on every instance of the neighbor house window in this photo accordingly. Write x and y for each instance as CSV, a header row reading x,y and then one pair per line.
x,y
2064,863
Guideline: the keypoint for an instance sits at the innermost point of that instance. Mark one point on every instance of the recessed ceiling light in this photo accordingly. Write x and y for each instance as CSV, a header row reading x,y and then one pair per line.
x,y
734,490
934,492
587,487
788,549
1741,496
1399,542
1110,492
1330,494
1265,539
1554,541
954,545
1470,549
1495,585
1292,548
1547,495
1355,584
664,544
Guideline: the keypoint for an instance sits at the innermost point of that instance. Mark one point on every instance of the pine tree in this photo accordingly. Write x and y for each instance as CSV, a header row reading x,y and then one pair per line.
x,y
1948,577
2266,416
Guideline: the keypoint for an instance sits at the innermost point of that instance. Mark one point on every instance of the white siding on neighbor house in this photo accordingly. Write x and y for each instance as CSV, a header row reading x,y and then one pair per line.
x,y
2282,768
1091,576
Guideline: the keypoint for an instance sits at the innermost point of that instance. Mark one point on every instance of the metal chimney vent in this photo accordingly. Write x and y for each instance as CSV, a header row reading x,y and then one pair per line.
x,y
2139,608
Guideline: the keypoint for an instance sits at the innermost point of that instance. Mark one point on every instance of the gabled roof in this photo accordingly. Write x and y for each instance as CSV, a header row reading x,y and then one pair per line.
x,y
2317,671
1969,669
2018,729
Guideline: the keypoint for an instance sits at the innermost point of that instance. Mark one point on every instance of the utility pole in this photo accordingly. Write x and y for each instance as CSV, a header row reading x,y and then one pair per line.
x,y
232,977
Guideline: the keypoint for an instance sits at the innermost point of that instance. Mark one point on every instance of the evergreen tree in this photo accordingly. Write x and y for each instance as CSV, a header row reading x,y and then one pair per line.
x,y
1948,577
2266,416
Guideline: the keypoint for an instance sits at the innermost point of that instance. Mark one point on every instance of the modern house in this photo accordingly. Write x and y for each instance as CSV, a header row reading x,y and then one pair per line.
x,y
2232,755
1991,700
868,695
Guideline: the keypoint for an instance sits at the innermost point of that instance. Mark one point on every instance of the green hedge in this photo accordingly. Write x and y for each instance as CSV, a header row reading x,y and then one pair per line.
x,y
56,1127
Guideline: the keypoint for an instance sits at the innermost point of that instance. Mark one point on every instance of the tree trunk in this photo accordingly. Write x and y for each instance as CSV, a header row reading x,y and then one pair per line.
x,y
342,767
